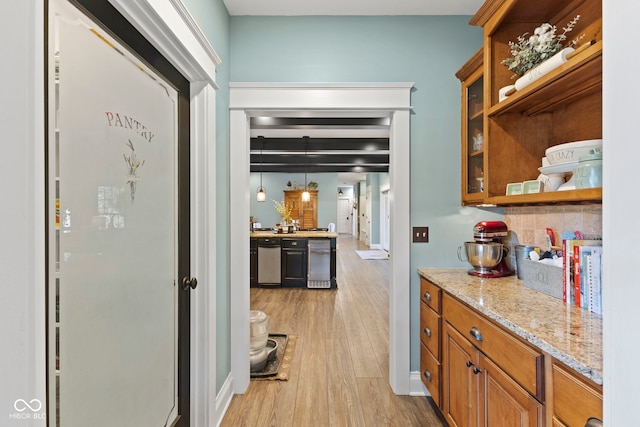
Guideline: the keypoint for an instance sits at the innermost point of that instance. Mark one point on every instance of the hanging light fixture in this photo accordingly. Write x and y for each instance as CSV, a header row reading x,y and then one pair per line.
x,y
340,193
305,194
261,195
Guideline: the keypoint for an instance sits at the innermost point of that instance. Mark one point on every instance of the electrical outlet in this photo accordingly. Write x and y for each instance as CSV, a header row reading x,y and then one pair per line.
x,y
420,234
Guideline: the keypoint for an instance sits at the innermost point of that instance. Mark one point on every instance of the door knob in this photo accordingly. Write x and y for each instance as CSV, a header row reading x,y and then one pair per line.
x,y
189,283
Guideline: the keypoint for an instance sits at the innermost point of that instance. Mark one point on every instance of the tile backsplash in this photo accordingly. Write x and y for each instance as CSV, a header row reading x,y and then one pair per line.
x,y
529,223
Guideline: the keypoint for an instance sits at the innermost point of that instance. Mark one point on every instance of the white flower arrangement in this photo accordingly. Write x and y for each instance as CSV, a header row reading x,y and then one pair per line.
x,y
528,52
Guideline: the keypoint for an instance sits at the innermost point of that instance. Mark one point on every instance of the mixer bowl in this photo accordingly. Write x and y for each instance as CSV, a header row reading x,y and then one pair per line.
x,y
482,256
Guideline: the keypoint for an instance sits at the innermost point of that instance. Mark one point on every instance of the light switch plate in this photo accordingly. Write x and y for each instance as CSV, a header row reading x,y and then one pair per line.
x,y
420,234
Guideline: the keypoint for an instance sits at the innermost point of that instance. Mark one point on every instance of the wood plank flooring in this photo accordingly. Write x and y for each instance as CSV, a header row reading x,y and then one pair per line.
x,y
340,368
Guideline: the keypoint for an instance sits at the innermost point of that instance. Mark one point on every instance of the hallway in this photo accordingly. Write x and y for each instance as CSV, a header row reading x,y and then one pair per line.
x,y
339,374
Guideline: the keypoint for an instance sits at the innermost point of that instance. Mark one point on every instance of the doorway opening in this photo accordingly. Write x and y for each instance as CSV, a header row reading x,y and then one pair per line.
x,y
390,100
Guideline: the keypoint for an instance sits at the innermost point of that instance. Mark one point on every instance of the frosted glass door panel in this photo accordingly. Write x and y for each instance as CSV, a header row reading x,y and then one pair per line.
x,y
117,124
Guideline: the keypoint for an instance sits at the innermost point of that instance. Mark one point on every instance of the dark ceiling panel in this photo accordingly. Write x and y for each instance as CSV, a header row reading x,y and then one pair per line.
x,y
322,155
319,144
319,122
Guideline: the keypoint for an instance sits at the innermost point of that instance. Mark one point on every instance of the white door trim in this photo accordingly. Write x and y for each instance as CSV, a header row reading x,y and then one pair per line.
x,y
272,99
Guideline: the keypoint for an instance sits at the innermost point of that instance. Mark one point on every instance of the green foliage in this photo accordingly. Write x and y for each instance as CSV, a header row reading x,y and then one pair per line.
x,y
528,52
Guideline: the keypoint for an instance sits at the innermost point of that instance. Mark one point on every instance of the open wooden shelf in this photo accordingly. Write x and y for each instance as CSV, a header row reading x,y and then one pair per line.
x,y
580,75
587,196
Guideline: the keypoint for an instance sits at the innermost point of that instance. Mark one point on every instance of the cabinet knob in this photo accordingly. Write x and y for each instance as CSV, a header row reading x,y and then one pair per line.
x,y
469,363
593,422
427,332
427,296
476,371
475,333
427,375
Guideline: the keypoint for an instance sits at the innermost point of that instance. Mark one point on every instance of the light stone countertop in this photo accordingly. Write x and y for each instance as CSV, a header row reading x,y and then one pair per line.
x,y
298,234
570,334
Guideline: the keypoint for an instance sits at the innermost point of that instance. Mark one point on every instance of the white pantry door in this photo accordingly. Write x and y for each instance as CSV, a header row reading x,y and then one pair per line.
x,y
116,235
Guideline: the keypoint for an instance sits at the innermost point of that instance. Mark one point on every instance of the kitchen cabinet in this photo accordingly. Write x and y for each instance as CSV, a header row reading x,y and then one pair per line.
x,y
473,165
305,212
294,262
460,379
489,377
568,389
562,106
508,355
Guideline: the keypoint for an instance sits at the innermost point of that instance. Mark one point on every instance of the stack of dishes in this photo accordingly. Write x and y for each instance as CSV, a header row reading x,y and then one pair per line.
x,y
561,160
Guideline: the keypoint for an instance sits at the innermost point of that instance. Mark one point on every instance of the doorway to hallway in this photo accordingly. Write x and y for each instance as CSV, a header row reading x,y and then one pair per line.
x,y
390,100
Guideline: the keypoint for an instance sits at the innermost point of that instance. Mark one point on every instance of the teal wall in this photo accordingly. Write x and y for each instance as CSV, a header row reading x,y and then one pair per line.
x,y
212,17
427,50
275,184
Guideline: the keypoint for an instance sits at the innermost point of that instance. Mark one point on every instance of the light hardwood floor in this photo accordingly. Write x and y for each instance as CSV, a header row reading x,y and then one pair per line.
x,y
339,374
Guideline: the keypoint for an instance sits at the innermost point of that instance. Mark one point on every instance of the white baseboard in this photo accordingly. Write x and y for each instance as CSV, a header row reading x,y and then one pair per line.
x,y
417,387
223,399
375,246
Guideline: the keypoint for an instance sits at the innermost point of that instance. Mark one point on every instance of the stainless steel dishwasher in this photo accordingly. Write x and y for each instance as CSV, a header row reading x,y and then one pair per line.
x,y
269,262
319,263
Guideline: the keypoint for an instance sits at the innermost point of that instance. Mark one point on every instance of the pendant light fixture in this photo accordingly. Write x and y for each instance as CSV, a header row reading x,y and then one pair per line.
x,y
261,195
340,193
305,194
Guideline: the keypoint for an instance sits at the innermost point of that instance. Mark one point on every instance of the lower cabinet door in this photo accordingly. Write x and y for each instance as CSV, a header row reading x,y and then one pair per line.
x,y
460,379
504,402
294,267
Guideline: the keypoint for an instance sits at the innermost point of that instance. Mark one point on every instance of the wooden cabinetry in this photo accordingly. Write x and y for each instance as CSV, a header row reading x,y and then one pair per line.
x,y
305,212
489,377
562,106
568,389
460,381
430,333
473,164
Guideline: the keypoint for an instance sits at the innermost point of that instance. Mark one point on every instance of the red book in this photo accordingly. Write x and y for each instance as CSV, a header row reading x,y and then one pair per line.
x,y
576,275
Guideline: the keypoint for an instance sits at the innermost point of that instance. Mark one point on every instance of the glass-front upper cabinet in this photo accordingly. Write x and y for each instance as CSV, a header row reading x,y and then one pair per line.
x,y
473,140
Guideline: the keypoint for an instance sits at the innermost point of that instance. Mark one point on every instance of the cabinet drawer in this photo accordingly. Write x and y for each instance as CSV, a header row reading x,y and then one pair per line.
x,y
294,243
430,329
430,373
430,294
268,241
574,400
523,363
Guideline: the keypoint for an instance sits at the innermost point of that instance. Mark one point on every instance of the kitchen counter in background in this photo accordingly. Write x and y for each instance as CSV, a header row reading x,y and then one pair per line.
x,y
570,334
302,259
298,234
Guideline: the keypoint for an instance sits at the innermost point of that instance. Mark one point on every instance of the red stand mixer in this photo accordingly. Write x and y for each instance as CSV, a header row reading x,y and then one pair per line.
x,y
487,254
